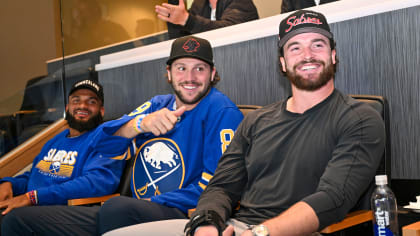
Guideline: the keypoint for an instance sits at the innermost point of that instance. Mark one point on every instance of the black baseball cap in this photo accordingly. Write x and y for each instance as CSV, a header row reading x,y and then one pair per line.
x,y
91,85
191,46
304,21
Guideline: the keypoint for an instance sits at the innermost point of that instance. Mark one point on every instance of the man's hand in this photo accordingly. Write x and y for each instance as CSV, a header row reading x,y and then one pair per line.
x,y
247,233
6,191
175,14
210,230
19,201
162,121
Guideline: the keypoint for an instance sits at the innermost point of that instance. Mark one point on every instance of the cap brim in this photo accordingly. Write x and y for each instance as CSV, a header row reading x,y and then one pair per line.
x,y
169,61
86,87
288,36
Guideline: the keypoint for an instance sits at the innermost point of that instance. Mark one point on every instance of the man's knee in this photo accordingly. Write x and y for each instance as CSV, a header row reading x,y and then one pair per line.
x,y
116,205
12,224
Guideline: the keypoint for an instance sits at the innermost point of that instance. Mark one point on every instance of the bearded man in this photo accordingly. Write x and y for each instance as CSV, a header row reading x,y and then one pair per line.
x,y
297,165
67,166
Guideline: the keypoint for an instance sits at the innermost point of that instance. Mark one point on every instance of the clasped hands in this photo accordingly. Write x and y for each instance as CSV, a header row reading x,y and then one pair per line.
x,y
9,202
212,231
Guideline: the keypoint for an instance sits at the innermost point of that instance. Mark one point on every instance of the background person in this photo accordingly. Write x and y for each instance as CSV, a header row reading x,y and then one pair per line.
x,y
293,5
204,15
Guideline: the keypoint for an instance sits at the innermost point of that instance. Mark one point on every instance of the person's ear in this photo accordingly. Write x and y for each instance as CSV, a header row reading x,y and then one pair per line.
x,y
283,64
213,74
333,54
168,70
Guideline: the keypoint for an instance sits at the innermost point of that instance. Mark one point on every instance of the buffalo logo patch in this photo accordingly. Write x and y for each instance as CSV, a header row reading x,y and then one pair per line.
x,y
158,168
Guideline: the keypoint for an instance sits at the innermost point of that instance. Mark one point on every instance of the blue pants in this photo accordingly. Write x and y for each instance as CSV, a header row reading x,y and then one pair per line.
x,y
124,211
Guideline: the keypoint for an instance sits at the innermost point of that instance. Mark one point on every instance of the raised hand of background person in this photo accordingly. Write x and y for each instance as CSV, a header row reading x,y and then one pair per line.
x,y
175,14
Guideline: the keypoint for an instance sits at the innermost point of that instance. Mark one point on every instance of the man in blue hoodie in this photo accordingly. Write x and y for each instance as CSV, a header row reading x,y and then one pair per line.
x,y
66,168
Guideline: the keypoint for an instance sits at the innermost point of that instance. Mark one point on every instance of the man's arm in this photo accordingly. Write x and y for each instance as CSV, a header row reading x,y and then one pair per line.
x,y
299,219
6,191
99,176
158,123
18,183
112,138
15,202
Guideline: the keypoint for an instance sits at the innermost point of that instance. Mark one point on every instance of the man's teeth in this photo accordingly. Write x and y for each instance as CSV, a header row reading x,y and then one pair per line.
x,y
189,87
308,67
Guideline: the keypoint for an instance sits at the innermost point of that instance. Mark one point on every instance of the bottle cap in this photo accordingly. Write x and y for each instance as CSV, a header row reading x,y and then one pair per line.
x,y
381,179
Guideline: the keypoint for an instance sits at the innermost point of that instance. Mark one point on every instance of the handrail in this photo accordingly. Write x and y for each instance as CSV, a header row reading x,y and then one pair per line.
x,y
24,154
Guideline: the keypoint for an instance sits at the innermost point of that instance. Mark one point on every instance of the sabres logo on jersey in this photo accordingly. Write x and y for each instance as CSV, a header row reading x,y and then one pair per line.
x,y
55,167
59,163
158,168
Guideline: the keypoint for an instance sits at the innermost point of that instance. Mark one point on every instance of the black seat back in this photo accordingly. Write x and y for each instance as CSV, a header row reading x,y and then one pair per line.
x,y
380,104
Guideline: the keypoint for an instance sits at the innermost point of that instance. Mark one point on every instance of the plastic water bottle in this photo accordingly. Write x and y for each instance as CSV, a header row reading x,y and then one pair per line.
x,y
384,207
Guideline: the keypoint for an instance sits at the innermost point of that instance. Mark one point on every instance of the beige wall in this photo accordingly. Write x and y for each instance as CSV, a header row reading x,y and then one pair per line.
x,y
95,23
30,36
268,7
27,41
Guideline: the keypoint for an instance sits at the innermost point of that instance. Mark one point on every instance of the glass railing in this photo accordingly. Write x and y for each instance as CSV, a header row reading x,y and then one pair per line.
x,y
87,29
80,31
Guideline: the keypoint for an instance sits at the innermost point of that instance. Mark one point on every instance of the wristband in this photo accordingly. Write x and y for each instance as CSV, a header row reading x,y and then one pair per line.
x,y
33,197
207,217
137,122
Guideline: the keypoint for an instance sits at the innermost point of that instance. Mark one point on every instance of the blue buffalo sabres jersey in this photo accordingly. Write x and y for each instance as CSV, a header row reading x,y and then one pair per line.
x,y
173,169
68,168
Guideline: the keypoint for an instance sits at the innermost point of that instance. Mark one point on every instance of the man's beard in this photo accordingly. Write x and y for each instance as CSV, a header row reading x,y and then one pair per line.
x,y
196,99
82,126
311,85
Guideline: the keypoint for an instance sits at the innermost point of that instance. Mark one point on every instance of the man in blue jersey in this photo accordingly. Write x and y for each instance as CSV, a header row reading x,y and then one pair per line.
x,y
66,167
178,138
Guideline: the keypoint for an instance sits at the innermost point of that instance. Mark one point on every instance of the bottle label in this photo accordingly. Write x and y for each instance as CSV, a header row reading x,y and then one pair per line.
x,y
382,231
381,228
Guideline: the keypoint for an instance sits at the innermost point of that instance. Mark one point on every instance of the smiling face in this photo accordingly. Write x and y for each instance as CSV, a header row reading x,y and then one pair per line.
x,y
190,78
308,61
84,111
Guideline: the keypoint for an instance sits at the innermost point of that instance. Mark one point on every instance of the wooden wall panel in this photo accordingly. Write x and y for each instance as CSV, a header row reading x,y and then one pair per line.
x,y
378,55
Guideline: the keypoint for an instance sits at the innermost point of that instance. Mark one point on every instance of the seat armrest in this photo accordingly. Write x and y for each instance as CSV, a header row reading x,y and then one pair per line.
x,y
411,229
190,212
352,219
91,200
